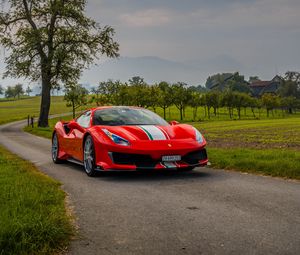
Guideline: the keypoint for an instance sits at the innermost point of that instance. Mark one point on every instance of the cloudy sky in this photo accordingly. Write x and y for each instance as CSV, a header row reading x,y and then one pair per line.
x,y
255,37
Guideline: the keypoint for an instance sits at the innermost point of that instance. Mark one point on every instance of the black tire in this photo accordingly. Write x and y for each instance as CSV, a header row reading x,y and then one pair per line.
x,y
89,157
55,150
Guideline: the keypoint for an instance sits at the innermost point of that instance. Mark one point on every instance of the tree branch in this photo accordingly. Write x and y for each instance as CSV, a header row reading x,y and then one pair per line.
x,y
33,25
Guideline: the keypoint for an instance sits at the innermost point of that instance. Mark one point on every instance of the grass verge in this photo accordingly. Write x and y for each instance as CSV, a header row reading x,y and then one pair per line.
x,y
274,162
33,217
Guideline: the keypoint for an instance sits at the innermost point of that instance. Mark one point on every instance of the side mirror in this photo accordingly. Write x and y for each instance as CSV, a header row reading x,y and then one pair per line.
x,y
174,122
74,125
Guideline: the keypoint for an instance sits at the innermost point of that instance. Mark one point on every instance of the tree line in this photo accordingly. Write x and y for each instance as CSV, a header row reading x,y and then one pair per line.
x,y
136,92
15,91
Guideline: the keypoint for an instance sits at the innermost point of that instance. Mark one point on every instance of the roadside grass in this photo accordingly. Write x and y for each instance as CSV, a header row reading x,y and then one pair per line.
x,y
33,218
46,132
274,162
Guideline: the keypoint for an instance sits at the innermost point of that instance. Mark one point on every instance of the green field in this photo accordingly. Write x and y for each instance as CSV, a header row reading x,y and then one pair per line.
x,y
20,109
33,218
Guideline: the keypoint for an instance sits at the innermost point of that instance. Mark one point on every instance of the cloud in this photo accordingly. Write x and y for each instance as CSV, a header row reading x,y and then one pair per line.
x,y
146,18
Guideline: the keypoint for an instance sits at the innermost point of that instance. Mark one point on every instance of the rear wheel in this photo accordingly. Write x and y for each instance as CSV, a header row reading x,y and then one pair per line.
x,y
55,149
89,157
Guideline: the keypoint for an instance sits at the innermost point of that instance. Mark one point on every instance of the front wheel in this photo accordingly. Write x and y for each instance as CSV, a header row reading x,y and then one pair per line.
x,y
89,157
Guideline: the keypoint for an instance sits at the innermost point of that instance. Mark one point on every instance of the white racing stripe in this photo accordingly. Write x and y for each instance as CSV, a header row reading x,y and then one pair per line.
x,y
153,132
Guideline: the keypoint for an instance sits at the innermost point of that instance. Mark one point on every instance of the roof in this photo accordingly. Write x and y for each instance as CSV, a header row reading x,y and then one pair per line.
x,y
260,84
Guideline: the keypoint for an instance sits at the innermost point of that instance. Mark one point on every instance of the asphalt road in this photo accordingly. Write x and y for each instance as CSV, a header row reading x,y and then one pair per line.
x,y
202,212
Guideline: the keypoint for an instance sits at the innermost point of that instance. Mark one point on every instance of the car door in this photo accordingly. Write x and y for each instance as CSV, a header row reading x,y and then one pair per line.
x,y
77,135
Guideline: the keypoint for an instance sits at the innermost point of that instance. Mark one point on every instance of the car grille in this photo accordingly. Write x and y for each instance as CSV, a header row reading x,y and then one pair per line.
x,y
146,161
141,161
194,157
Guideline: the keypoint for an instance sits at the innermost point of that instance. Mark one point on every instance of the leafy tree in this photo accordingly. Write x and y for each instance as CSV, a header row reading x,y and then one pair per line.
x,y
136,80
237,83
19,90
212,101
28,90
139,92
10,92
165,98
195,102
52,41
76,96
181,97
270,102
153,92
1,90
253,79
289,103
227,100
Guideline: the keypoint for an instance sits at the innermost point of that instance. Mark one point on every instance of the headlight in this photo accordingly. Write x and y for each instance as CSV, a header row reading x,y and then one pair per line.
x,y
199,137
116,139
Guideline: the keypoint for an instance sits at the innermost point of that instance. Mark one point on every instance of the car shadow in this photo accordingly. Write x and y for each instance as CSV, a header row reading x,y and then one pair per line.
x,y
149,175
152,175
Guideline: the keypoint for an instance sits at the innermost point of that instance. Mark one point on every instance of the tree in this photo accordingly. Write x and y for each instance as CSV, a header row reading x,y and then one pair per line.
x,y
52,41
75,95
28,90
165,98
1,90
253,79
195,101
212,100
270,102
19,90
10,92
181,97
139,92
290,86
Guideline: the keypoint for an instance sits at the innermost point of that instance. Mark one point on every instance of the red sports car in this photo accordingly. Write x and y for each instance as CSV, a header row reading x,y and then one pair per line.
x,y
127,138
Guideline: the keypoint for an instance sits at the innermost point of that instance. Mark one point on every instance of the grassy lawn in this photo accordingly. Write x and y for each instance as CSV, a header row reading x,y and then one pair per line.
x,y
20,109
33,217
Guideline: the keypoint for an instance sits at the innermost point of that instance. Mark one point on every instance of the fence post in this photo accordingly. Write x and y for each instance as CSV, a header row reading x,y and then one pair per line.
x,y
28,123
32,121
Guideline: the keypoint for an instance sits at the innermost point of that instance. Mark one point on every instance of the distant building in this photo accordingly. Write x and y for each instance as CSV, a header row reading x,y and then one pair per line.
x,y
259,88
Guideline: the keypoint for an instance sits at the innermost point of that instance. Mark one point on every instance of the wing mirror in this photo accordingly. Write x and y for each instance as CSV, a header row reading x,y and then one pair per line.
x,y
173,122
74,125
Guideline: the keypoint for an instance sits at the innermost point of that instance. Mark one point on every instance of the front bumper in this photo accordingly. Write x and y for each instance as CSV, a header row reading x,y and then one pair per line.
x,y
144,160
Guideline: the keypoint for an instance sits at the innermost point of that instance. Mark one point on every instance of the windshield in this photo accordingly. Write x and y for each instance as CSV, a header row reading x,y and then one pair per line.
x,y
122,116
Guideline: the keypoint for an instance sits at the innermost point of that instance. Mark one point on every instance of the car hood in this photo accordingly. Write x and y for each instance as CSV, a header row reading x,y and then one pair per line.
x,y
151,132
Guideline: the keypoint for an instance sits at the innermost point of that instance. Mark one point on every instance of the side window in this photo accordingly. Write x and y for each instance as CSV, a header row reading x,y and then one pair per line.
x,y
84,119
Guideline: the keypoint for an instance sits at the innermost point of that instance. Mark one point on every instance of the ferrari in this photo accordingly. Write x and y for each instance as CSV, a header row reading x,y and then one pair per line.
x,y
122,138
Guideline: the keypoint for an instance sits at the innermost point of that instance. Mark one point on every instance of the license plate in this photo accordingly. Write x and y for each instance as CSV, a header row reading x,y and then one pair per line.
x,y
171,158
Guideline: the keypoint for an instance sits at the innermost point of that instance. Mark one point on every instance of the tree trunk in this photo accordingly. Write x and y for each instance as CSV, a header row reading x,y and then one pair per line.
x,y
73,106
45,102
181,113
164,112
195,113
